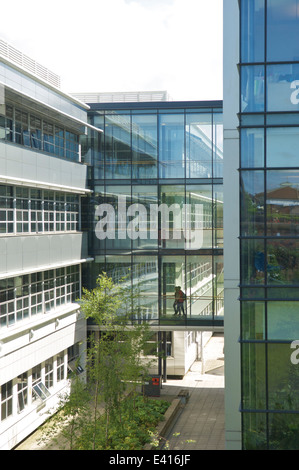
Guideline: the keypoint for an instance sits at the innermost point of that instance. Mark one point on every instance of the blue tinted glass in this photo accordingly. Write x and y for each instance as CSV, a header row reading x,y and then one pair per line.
x,y
252,203
282,203
282,147
252,148
146,237
171,145
282,261
199,145
118,146
282,30
283,87
218,146
144,146
253,262
252,30
252,88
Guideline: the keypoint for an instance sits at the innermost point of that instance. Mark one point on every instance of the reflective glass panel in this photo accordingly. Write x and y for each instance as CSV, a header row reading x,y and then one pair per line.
x,y
282,320
172,146
252,30
116,218
199,145
283,377
283,430
173,275
252,203
282,201
144,218
145,287
282,30
283,262
252,88
144,146
118,146
282,147
218,285
253,320
283,87
218,215
252,262
253,376
199,216
218,145
200,286
252,148
172,228
254,431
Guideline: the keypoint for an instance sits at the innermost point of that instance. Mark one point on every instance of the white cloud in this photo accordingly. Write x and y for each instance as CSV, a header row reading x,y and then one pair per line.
x,y
123,45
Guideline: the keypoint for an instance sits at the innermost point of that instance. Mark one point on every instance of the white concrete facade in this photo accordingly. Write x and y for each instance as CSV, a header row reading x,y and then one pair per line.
x,y
231,226
41,327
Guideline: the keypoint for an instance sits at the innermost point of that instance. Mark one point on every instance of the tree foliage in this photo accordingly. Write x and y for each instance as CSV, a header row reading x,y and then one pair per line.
x,y
116,369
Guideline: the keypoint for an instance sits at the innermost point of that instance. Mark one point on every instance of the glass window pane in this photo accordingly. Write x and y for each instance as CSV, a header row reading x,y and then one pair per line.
x,y
252,262
252,30
218,215
282,147
253,376
146,287
283,320
172,219
117,219
218,285
199,145
282,262
118,146
118,268
172,146
173,275
200,287
252,88
253,320
283,431
145,218
282,30
144,146
283,378
282,201
252,148
282,87
252,203
254,431
199,217
218,145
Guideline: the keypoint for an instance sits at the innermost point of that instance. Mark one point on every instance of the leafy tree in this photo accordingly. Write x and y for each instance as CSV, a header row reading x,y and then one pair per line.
x,y
115,364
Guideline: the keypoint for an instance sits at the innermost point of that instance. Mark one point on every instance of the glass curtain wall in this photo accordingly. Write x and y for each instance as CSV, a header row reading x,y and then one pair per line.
x,y
157,208
269,238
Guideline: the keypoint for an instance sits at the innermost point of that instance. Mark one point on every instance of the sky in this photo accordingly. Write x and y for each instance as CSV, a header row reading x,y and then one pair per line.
x,y
123,45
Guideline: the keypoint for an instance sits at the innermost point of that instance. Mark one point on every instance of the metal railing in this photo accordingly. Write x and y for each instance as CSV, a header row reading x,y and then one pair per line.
x,y
17,57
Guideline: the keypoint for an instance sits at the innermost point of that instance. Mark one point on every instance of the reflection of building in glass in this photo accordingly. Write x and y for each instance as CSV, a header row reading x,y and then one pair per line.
x,y
266,275
160,153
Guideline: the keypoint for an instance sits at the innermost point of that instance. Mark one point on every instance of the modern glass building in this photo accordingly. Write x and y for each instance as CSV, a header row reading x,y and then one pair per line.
x,y
266,150
159,167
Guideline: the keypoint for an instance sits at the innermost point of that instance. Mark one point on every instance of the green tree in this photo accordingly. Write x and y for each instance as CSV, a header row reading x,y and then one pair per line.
x,y
116,367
